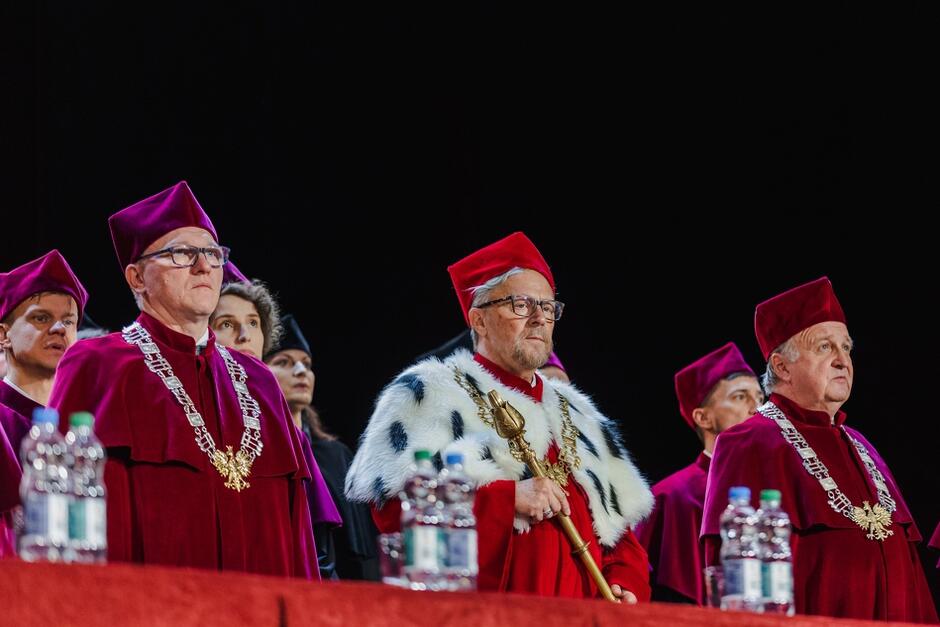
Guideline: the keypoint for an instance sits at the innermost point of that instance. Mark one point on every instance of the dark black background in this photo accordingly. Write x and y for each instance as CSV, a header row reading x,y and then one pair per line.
x,y
675,163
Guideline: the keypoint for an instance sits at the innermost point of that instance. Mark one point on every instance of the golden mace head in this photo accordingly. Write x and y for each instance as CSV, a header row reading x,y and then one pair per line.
x,y
509,422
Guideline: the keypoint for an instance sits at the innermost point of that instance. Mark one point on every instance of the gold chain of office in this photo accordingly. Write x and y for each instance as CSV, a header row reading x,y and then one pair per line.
x,y
568,458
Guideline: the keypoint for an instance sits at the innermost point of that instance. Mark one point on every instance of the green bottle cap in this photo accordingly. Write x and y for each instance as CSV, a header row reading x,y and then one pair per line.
x,y
770,495
81,419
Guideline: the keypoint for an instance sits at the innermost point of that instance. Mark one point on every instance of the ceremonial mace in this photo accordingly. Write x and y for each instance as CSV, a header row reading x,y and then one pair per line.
x,y
510,425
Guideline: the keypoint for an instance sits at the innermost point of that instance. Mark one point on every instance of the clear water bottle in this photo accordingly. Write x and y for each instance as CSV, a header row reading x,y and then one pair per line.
x,y
776,558
44,490
422,524
88,542
740,562
457,493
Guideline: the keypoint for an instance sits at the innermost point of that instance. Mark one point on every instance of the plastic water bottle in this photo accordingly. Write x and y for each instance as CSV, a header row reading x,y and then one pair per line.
x,y
776,558
457,492
44,490
739,555
88,542
422,527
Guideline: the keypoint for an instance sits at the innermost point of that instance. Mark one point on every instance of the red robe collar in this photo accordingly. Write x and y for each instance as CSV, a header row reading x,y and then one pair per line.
x,y
510,380
807,416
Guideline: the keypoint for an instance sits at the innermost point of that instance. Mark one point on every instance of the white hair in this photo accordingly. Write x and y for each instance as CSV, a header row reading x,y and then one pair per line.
x,y
788,351
481,293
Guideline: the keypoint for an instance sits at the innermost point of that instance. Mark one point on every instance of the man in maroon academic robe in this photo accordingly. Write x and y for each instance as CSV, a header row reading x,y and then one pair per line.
x,y
715,393
849,558
204,466
41,306
507,296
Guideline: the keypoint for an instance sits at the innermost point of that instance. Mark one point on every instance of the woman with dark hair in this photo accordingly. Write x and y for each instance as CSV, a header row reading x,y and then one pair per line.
x,y
354,544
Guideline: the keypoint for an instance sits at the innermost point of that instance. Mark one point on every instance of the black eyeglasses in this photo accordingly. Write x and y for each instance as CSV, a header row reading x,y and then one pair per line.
x,y
525,306
187,256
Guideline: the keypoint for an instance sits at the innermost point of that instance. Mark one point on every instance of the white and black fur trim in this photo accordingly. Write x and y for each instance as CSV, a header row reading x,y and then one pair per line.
x,y
425,408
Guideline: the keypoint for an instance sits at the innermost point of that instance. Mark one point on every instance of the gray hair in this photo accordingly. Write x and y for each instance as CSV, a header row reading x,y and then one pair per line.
x,y
788,351
481,293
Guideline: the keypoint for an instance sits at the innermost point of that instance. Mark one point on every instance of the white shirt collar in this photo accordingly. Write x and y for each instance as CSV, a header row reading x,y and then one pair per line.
x,y
201,342
707,454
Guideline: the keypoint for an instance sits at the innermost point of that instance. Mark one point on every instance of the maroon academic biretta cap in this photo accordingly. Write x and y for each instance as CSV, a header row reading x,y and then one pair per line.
x,y
49,273
231,274
514,251
696,381
135,228
783,316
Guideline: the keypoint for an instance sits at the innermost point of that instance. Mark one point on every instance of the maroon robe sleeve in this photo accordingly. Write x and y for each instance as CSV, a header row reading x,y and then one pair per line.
x,y
935,541
9,494
494,509
121,545
627,565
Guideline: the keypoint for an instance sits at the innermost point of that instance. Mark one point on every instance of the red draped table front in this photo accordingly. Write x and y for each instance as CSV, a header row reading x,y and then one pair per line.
x,y
119,594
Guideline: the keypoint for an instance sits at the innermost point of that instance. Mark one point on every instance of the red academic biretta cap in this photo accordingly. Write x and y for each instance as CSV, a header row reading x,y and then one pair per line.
x,y
696,381
49,273
135,228
514,251
783,316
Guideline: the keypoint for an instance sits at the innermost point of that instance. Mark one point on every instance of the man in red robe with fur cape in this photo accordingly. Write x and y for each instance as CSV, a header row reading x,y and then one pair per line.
x,y
507,297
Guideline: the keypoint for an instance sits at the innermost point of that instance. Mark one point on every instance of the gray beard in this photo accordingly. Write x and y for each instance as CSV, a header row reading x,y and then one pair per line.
x,y
527,360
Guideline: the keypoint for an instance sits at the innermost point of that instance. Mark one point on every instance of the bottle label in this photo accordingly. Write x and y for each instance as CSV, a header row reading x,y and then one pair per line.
x,y
47,515
462,550
778,581
96,522
423,548
742,578
88,521
77,519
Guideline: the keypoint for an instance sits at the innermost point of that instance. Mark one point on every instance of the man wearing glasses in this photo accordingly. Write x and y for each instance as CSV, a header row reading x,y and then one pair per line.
x,y
204,466
507,297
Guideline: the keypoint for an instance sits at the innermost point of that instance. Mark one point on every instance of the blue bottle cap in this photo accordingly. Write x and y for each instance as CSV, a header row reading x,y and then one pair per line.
x,y
46,414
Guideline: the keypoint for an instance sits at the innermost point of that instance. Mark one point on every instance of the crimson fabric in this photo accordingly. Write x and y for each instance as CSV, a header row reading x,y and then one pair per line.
x,y
778,319
553,360
935,540
133,596
49,273
540,561
17,420
166,503
671,533
9,492
837,570
322,508
510,380
135,228
16,413
231,274
513,251
696,381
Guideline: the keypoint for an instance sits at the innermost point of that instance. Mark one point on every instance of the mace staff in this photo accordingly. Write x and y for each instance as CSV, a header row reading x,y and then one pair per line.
x,y
510,425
